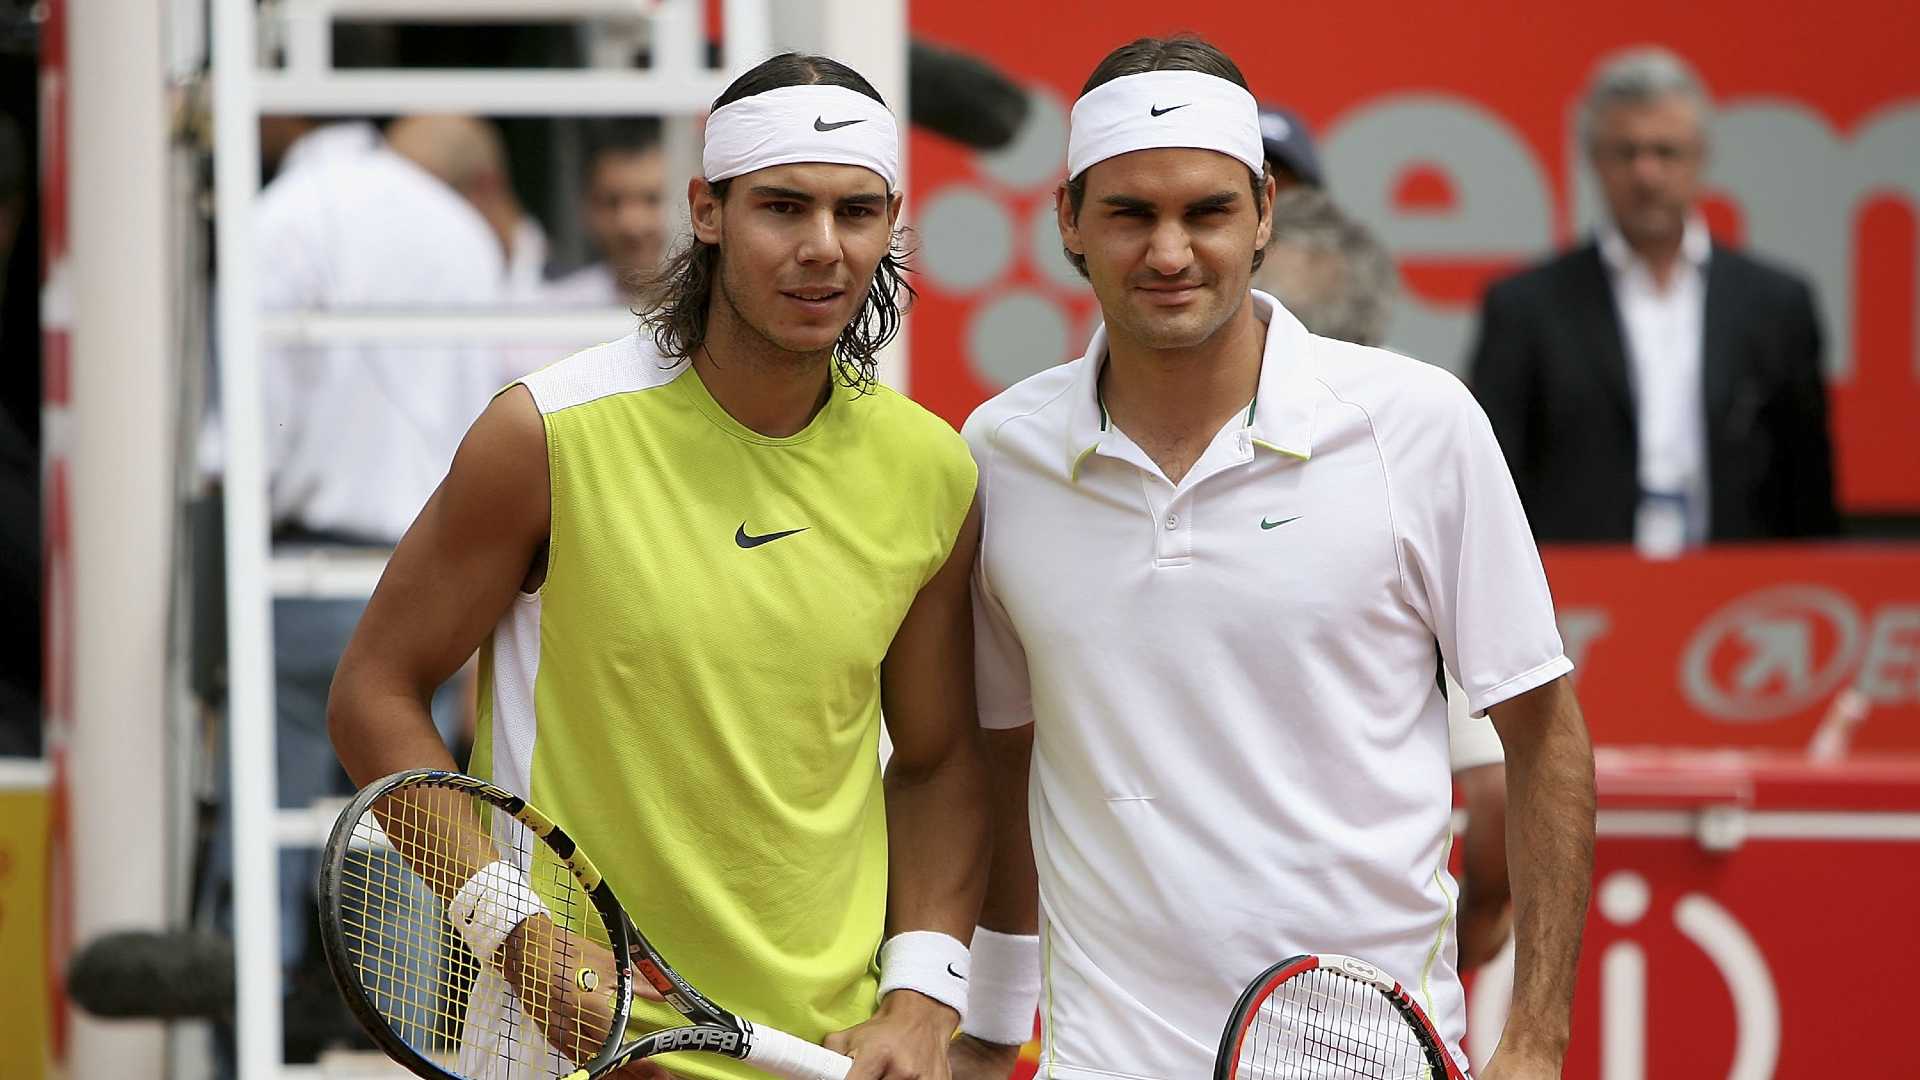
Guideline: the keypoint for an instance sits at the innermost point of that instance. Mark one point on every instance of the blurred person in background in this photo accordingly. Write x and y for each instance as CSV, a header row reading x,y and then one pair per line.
x,y
1328,269
469,156
358,433
1292,158
1336,278
624,210
1655,385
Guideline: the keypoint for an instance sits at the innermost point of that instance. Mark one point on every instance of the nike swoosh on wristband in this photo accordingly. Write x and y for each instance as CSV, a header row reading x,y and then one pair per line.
x,y
1156,111
955,974
741,537
820,123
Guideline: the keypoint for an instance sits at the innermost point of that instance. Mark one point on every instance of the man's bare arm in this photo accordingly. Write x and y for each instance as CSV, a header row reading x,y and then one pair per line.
x,y
450,579
1012,903
1550,856
936,782
1485,894
936,810
452,575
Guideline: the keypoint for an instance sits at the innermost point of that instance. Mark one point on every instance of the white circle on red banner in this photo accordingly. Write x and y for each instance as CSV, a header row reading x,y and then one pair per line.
x,y
966,239
1037,156
1015,335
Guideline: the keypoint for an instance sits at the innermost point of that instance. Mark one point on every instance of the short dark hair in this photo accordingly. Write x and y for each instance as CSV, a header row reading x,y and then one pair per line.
x,y
619,135
679,294
1183,52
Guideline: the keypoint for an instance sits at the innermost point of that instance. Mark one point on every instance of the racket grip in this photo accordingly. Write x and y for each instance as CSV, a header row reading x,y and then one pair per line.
x,y
779,1053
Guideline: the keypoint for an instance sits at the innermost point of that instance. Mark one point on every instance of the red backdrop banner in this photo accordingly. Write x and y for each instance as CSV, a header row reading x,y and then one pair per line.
x,y
1743,647
1449,129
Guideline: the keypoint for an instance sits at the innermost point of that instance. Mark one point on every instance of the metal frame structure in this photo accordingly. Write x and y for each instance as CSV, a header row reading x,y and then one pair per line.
x,y
677,84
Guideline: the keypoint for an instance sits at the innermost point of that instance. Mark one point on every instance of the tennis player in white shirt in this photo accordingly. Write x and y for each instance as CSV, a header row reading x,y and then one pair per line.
x,y
1222,562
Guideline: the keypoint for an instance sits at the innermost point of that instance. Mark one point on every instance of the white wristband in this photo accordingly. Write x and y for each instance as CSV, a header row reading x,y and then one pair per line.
x,y
490,905
1003,989
929,962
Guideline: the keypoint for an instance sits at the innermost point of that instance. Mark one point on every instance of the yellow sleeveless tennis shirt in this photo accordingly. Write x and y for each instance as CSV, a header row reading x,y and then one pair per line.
x,y
694,692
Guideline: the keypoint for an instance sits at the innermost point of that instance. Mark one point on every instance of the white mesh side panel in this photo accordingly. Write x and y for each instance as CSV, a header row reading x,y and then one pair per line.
x,y
521,1053
516,662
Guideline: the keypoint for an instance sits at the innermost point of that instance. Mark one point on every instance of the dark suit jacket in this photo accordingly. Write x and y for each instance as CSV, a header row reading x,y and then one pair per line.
x,y
1552,374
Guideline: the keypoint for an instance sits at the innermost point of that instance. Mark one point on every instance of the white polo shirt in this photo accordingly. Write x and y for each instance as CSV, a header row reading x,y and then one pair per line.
x,y
1240,744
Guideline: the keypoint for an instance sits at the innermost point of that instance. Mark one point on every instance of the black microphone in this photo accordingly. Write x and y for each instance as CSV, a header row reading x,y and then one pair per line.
x,y
962,97
154,975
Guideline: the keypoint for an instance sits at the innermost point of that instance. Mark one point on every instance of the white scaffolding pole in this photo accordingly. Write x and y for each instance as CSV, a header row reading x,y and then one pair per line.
x,y
120,427
250,712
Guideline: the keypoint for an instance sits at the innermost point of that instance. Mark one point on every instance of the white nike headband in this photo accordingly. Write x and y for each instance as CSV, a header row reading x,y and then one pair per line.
x,y
1158,109
792,124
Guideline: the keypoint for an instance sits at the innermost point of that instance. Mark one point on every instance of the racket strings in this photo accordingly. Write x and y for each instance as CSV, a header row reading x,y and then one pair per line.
x,y
1322,1025
408,857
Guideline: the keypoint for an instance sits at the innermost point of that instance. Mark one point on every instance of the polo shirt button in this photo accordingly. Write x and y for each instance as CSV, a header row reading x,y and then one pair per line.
x,y
1173,521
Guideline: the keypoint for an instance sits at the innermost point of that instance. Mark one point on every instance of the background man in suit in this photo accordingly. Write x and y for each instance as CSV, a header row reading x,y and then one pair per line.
x,y
1652,384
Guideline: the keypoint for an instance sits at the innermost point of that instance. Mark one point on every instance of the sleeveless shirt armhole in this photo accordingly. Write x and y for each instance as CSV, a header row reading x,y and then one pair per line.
x,y
553,508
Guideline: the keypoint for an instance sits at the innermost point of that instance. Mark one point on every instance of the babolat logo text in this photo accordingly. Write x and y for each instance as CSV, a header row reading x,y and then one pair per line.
x,y
717,1040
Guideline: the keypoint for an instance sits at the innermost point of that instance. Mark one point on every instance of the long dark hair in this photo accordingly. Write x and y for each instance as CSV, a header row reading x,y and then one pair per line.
x,y
678,296
1185,52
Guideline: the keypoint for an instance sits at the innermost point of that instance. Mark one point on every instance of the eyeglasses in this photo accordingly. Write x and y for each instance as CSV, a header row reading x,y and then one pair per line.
x,y
1626,151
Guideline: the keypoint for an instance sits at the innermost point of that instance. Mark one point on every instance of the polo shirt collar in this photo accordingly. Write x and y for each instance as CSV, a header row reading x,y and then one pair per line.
x,y
1279,418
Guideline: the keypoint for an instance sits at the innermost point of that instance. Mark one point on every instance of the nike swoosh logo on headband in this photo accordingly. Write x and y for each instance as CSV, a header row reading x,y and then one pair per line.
x,y
820,123
1155,111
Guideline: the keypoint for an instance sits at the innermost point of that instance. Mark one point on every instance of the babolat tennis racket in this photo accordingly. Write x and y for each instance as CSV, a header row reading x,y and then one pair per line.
x,y
1330,1017
426,869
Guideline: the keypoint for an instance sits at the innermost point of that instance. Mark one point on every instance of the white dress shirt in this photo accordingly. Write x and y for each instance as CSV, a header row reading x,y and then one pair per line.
x,y
360,433
1662,330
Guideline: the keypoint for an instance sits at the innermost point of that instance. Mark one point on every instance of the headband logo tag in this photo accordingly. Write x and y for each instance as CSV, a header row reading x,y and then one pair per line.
x,y
820,124
1157,111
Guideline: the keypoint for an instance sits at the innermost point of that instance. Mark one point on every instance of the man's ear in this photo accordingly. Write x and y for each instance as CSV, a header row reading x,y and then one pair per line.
x,y
705,210
1269,190
894,202
1069,221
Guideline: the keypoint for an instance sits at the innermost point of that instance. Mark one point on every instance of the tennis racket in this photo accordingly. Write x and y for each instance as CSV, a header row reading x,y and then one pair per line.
x,y
1330,1017
554,998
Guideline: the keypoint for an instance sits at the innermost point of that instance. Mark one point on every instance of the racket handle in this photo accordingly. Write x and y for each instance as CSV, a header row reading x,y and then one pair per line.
x,y
779,1053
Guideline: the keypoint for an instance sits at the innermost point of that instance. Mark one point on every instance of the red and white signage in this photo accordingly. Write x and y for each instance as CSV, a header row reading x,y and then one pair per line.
x,y
1751,916
1744,646
1450,129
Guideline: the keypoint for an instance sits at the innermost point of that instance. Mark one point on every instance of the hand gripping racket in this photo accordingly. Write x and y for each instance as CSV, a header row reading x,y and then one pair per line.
x,y
1330,1017
553,999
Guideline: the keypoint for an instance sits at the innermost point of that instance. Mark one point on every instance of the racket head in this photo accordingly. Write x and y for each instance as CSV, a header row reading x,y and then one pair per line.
x,y
1325,1016
408,976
